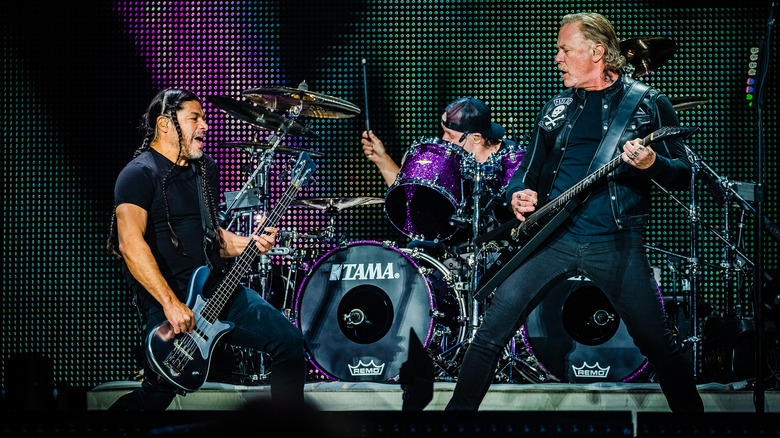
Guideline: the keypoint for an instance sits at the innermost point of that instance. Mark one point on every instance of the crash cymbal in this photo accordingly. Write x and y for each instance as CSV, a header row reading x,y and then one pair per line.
x,y
312,104
255,147
260,117
647,54
687,102
332,205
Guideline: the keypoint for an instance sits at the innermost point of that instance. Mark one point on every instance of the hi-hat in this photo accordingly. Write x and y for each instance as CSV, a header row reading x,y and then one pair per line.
x,y
256,147
312,104
333,205
647,54
687,102
260,117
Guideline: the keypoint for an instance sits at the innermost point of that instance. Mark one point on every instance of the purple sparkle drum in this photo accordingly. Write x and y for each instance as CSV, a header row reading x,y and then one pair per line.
x,y
427,190
505,161
358,304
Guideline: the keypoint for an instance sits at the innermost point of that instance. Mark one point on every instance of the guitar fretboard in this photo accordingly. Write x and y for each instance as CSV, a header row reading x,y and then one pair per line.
x,y
561,200
243,263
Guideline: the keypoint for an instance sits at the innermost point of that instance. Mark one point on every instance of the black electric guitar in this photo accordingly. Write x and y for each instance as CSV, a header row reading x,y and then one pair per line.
x,y
183,359
515,240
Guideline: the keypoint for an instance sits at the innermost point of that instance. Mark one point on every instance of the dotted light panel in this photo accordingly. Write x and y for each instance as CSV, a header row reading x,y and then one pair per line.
x,y
68,131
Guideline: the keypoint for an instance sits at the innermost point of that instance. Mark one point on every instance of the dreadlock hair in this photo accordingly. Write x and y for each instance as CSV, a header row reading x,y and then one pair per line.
x,y
167,103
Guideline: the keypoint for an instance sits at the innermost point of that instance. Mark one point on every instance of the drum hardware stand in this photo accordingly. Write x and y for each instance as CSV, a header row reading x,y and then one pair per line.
x,y
735,261
680,265
260,179
698,165
250,366
480,173
524,365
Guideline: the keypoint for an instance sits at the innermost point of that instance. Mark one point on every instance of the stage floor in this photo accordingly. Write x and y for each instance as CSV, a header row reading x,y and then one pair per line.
x,y
371,396
363,410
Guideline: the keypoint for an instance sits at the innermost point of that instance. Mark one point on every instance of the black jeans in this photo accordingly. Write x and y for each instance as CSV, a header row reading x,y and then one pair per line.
x,y
621,269
258,325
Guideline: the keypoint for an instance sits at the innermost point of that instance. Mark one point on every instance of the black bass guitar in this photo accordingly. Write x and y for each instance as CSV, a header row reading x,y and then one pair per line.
x,y
515,240
183,359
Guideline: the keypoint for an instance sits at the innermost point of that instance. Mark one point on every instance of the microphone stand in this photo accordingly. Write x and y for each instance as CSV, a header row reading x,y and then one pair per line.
x,y
692,260
760,196
260,178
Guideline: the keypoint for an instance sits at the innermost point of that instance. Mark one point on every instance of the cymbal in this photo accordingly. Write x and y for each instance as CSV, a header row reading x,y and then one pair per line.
x,y
687,102
255,147
647,54
331,205
260,117
312,104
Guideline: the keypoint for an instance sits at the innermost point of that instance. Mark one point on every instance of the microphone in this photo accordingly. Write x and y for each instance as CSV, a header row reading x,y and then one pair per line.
x,y
463,137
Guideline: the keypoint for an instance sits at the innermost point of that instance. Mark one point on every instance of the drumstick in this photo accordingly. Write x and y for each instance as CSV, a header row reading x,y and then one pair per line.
x,y
365,92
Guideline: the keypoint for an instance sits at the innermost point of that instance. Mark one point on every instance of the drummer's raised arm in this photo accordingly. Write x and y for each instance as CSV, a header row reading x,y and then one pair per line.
x,y
374,150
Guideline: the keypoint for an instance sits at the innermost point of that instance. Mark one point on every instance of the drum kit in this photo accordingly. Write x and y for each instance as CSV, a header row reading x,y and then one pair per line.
x,y
358,303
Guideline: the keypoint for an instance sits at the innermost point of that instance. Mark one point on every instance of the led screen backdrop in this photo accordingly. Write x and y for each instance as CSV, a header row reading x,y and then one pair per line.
x,y
76,80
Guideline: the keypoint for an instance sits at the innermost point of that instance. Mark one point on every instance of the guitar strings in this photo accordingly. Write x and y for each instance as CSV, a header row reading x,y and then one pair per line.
x,y
180,357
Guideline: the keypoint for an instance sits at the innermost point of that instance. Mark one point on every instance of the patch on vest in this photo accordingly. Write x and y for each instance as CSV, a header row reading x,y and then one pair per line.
x,y
555,116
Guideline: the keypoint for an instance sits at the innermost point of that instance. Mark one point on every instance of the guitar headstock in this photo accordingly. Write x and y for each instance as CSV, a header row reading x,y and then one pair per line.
x,y
301,172
668,132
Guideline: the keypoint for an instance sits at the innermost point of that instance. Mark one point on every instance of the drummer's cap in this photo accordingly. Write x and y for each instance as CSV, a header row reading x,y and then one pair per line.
x,y
470,115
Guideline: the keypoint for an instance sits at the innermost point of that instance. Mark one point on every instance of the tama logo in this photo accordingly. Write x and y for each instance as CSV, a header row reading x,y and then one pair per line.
x,y
363,369
363,271
594,371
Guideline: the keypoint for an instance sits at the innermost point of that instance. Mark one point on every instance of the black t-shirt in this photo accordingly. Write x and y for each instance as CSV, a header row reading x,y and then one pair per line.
x,y
592,220
140,183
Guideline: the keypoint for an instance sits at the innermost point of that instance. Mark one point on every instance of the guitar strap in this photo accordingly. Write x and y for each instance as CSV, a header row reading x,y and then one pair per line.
x,y
627,108
209,232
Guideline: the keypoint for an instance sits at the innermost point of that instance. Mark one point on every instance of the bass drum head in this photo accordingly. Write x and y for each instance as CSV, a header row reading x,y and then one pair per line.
x,y
577,336
356,309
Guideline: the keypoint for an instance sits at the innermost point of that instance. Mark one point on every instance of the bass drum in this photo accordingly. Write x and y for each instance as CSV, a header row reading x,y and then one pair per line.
x,y
577,336
359,302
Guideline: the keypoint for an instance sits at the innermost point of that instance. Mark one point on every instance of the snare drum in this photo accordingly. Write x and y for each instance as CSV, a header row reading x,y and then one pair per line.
x,y
427,190
358,303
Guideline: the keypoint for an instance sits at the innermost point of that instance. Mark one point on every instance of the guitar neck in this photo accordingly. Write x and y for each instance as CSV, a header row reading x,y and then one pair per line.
x,y
244,261
272,219
575,190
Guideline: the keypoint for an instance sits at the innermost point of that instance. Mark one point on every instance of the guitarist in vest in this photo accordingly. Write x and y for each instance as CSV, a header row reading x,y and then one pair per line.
x,y
602,237
158,230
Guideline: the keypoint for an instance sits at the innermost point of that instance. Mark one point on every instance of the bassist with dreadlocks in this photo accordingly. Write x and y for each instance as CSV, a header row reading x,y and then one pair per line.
x,y
165,227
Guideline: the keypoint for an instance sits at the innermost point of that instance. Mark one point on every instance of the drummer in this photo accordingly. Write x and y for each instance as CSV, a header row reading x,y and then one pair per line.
x,y
466,122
